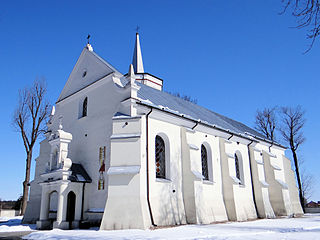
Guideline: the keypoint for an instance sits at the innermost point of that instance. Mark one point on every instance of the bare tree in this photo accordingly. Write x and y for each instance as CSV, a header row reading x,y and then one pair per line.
x,y
292,123
307,182
29,120
266,122
307,13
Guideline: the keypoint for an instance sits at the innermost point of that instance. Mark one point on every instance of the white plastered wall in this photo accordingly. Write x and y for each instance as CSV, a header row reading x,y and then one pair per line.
x,y
261,186
203,198
238,198
166,197
292,185
126,206
275,176
89,134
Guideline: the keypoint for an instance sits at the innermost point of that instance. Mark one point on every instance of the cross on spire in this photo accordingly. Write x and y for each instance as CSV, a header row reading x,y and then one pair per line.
x,y
88,38
137,29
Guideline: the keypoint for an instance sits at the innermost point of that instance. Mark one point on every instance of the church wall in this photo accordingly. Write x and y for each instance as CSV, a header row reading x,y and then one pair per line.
x,y
126,206
89,134
166,197
264,208
238,196
209,205
292,187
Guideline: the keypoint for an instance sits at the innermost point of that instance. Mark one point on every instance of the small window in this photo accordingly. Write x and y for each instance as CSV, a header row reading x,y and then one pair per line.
x,y
160,153
84,107
84,73
204,162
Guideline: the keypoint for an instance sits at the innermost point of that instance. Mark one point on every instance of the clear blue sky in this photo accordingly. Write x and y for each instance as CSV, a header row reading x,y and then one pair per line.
x,y
233,56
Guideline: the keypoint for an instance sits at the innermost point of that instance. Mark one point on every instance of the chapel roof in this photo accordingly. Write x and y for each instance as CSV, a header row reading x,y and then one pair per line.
x,y
79,174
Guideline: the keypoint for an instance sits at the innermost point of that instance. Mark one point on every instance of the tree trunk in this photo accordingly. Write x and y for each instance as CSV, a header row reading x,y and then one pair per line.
x,y
26,183
295,159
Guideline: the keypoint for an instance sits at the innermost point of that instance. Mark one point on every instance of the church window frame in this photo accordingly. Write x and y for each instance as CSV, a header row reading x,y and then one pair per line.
x,y
162,157
238,163
83,107
206,162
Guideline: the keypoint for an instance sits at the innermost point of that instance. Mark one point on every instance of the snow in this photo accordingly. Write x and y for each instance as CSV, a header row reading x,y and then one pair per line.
x,y
129,135
123,170
96,210
307,227
13,224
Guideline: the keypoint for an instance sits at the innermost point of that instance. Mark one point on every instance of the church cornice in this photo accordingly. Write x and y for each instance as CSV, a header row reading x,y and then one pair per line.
x,y
252,138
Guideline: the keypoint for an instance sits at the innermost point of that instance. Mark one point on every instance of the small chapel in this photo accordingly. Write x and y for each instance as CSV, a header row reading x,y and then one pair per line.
x,y
120,153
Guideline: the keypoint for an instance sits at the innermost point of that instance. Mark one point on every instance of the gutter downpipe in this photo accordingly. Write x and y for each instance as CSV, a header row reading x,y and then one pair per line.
x,y
230,136
195,125
270,146
147,166
252,186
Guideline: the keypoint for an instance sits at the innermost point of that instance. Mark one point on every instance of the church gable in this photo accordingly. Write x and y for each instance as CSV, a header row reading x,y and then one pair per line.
x,y
88,69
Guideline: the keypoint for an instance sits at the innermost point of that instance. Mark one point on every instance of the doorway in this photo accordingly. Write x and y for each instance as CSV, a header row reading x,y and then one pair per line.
x,y
71,207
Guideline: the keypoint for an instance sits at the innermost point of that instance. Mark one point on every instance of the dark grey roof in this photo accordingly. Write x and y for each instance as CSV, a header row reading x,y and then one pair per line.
x,y
175,104
79,174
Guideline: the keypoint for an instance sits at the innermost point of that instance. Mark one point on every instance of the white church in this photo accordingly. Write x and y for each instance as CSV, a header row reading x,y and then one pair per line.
x,y
121,153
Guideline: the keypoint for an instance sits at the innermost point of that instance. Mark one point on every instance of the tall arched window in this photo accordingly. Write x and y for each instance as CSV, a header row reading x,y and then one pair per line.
x,y
238,162
237,166
160,153
204,162
84,107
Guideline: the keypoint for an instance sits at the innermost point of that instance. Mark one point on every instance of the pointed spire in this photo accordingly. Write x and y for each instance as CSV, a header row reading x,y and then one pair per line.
x,y
131,72
131,77
137,57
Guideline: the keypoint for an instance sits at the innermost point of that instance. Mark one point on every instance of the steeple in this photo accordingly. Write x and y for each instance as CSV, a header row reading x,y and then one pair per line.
x,y
137,57
136,71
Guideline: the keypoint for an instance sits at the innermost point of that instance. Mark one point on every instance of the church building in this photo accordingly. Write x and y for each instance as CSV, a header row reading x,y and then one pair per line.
x,y
121,153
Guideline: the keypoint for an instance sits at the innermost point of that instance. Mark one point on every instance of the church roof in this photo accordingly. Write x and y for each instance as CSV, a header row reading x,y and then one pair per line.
x,y
176,105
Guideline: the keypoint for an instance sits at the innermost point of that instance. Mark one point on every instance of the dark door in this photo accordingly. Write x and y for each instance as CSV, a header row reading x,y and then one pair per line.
x,y
71,206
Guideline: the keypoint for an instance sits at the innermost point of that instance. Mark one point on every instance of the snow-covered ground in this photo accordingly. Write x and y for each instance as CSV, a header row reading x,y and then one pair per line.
x,y
307,227
13,224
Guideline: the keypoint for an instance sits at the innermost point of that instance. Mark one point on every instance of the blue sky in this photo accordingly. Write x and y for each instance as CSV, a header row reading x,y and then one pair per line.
x,y
233,56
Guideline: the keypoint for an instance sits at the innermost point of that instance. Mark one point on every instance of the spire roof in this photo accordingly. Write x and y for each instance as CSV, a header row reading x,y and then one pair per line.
x,y
137,57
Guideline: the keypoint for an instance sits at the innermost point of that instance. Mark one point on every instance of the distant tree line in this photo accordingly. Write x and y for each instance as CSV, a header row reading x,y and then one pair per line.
x,y
184,97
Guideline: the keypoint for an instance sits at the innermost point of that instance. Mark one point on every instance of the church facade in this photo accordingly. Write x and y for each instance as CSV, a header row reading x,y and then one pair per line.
x,y
122,153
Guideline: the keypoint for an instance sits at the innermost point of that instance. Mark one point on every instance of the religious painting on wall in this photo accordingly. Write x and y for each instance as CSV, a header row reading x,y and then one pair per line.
x,y
102,158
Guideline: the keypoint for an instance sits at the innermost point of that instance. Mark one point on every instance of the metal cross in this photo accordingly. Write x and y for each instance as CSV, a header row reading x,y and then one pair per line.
x,y
88,38
137,29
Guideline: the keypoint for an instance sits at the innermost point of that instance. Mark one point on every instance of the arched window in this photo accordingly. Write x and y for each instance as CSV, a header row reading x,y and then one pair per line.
x,y
160,152
84,107
239,167
236,161
204,162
